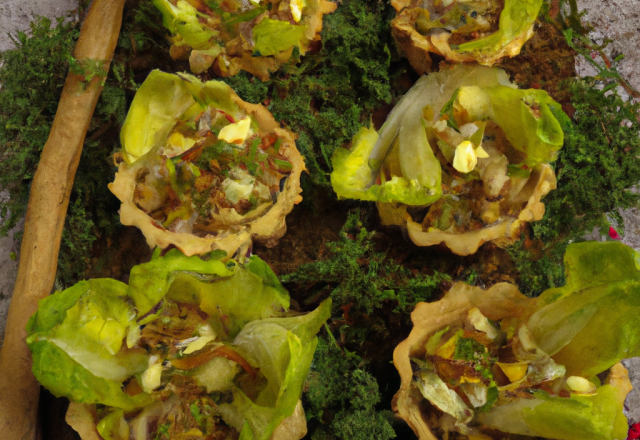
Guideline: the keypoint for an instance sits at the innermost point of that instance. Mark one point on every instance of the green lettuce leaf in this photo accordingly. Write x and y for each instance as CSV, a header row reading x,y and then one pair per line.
x,y
525,115
591,323
283,349
156,107
77,337
63,376
274,36
593,417
214,94
351,176
150,282
182,20
234,301
528,120
161,101
516,19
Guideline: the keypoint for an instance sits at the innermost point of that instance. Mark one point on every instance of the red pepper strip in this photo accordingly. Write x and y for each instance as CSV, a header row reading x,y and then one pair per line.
x,y
231,354
192,361
226,115
192,154
634,432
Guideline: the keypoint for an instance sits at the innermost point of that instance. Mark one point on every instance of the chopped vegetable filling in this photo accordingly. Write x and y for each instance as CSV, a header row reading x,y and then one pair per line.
x,y
463,152
211,174
230,35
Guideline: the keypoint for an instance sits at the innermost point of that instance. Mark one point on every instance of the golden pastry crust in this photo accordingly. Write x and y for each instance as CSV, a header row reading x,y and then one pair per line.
x,y
266,225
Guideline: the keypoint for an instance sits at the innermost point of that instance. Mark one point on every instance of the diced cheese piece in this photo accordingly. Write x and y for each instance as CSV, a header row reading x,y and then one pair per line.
x,y
236,133
440,125
465,159
515,371
580,385
151,378
482,324
296,9
178,141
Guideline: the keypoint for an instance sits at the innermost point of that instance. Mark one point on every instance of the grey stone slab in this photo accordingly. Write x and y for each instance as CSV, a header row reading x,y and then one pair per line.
x,y
632,404
8,269
17,14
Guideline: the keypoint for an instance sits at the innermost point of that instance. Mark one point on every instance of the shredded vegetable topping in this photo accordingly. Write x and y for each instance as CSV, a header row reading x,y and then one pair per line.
x,y
482,31
490,361
229,35
212,173
203,170
188,349
462,159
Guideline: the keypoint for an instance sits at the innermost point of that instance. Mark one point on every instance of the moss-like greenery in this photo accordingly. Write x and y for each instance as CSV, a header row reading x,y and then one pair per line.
x,y
329,96
364,278
596,169
342,397
539,268
597,165
32,77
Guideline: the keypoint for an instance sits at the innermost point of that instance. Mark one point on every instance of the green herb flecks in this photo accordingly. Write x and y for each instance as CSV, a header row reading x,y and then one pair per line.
x,y
447,110
492,398
163,431
212,152
468,349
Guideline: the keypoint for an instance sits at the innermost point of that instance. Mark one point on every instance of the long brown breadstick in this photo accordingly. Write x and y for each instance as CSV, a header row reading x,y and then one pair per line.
x,y
46,213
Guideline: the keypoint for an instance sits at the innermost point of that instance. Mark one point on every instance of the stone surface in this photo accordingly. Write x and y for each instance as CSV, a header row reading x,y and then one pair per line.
x,y
618,20
8,269
632,404
17,14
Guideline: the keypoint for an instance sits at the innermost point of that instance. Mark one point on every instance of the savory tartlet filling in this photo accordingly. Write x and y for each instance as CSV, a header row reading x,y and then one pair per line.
x,y
202,170
465,20
481,374
257,36
462,159
483,176
212,173
190,373
462,31
475,367
494,364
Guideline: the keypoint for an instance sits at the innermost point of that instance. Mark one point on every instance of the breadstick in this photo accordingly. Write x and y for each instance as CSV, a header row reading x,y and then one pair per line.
x,y
46,213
